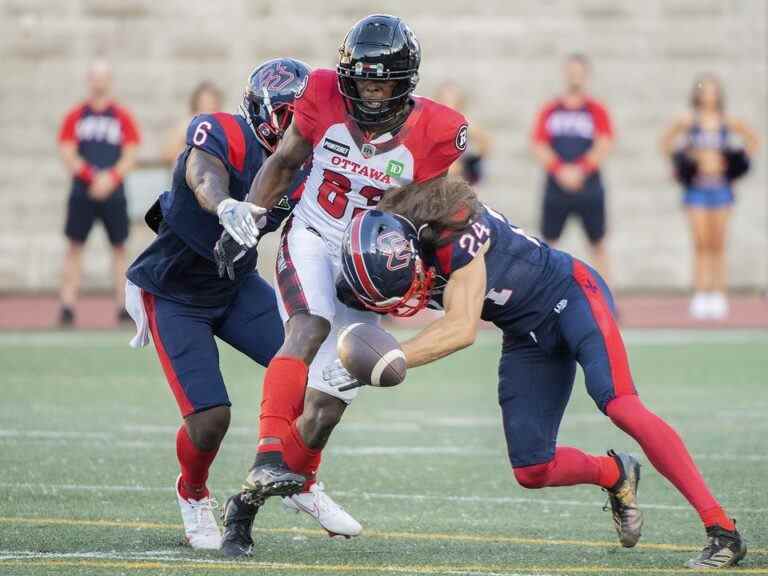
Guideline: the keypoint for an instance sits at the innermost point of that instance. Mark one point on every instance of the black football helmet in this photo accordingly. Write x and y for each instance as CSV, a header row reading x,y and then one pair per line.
x,y
379,47
380,265
268,100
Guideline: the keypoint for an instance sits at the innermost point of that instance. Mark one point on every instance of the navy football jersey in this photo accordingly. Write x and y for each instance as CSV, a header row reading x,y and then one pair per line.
x,y
179,264
525,278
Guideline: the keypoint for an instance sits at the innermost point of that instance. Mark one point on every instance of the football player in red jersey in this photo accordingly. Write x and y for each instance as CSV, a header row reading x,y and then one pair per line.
x,y
364,132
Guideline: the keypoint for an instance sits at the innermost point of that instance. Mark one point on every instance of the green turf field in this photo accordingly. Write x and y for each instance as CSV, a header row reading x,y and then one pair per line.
x,y
87,461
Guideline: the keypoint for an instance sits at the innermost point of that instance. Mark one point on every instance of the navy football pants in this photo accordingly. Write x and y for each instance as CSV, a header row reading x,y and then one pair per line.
x,y
536,372
185,344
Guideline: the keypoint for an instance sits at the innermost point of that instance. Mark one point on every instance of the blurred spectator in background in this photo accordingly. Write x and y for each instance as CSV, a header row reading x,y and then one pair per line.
x,y
707,158
97,141
571,137
471,164
205,99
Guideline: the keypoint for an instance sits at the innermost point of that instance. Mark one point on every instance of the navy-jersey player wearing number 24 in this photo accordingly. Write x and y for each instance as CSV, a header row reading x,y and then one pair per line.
x,y
174,290
555,312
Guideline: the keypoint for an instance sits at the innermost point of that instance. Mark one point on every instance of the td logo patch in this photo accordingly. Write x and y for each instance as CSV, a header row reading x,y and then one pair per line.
x,y
462,138
395,168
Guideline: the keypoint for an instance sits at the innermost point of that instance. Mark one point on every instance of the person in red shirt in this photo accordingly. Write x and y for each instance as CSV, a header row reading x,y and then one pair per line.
x,y
97,142
571,138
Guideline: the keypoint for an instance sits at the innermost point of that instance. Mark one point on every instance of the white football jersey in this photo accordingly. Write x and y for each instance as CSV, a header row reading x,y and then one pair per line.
x,y
350,172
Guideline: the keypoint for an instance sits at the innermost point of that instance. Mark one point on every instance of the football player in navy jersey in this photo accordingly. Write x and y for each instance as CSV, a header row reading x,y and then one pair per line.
x,y
554,311
174,289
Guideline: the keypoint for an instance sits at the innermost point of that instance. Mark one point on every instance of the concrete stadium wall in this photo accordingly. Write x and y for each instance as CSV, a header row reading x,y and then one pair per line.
x,y
505,52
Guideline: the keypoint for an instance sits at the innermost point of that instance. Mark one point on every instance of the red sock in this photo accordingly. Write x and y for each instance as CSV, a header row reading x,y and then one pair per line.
x,y
666,451
569,467
301,459
194,464
282,399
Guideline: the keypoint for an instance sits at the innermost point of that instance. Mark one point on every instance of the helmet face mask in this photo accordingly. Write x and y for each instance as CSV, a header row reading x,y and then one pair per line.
x,y
268,99
378,48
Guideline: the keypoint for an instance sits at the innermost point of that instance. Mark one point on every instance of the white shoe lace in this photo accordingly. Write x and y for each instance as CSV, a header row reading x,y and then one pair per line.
x,y
202,509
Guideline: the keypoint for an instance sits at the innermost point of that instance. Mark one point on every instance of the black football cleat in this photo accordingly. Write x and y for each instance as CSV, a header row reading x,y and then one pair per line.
x,y
239,513
627,517
724,548
271,478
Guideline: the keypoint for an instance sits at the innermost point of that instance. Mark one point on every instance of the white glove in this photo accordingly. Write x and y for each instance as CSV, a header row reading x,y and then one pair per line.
x,y
336,376
237,218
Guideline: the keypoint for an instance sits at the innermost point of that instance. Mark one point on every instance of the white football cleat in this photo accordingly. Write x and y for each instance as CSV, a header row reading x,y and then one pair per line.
x,y
200,526
332,517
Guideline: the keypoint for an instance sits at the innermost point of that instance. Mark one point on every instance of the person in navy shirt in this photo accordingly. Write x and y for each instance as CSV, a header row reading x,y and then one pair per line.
x,y
97,141
555,312
175,292
571,137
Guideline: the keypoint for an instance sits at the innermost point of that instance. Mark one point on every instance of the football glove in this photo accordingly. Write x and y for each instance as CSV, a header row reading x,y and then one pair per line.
x,y
239,219
226,252
336,376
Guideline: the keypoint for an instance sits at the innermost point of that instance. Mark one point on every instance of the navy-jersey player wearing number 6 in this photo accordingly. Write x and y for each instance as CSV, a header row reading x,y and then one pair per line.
x,y
174,289
555,312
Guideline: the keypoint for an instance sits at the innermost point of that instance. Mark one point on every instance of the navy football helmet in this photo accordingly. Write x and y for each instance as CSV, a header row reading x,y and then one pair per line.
x,y
379,47
268,100
381,266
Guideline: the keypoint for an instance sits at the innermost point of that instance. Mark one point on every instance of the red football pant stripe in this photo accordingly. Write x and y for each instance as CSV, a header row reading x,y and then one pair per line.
x,y
185,405
614,345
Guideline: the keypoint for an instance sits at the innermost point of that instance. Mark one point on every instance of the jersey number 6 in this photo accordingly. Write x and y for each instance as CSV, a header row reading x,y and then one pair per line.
x,y
201,133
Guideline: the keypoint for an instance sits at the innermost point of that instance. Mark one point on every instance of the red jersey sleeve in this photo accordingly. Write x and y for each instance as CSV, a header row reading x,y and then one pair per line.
x,y
311,102
447,131
603,126
131,133
67,129
539,133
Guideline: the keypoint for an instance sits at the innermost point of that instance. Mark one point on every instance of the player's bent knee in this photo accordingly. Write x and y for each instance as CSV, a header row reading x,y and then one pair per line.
x,y
532,477
207,429
304,335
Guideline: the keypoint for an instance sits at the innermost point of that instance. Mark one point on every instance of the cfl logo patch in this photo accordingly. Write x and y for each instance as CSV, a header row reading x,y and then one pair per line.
x,y
462,137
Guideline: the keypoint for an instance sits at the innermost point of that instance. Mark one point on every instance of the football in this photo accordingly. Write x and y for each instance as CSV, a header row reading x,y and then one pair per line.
x,y
371,355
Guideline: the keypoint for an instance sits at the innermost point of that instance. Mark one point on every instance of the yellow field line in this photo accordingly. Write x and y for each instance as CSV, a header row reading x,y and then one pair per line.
x,y
484,538
413,569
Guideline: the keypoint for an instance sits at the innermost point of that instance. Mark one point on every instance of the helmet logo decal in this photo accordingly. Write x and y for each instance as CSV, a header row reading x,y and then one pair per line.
x,y
462,138
394,245
301,87
276,77
395,168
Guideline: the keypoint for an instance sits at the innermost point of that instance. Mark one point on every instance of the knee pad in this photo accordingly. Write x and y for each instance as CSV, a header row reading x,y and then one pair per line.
x,y
533,477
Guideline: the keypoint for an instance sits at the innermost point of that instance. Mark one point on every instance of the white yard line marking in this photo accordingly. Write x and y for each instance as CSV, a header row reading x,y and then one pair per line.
x,y
653,337
52,489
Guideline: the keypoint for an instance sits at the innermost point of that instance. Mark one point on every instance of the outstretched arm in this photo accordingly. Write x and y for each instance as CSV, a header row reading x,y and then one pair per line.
x,y
208,178
275,176
457,329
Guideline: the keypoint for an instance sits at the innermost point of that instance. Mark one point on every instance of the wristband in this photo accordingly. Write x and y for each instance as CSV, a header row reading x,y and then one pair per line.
x,y
586,165
85,173
554,165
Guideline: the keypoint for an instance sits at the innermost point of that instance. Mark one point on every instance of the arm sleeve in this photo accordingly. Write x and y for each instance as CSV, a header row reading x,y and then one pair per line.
x,y
448,147
603,126
539,133
67,129
305,114
131,133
